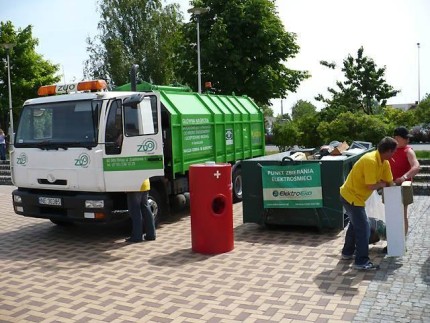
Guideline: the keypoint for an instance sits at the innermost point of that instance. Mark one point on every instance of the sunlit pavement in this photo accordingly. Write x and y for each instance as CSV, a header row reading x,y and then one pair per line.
x,y
88,274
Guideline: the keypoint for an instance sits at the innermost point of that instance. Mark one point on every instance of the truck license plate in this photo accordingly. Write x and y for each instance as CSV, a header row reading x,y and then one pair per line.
x,y
50,201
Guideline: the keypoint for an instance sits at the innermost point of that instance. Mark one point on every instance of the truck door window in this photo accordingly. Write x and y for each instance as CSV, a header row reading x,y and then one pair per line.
x,y
141,118
113,134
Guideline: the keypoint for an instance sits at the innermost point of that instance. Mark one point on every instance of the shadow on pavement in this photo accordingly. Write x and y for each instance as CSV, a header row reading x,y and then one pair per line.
x,y
425,271
280,235
178,258
54,247
342,279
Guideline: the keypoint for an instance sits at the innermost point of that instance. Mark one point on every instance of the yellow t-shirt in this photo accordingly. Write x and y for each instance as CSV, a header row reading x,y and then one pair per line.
x,y
368,170
146,186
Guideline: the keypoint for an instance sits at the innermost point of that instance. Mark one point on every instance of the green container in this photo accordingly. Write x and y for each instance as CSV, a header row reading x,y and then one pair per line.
x,y
206,127
329,216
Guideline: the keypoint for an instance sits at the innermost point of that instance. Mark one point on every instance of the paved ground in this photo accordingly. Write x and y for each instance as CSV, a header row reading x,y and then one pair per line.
x,y
87,274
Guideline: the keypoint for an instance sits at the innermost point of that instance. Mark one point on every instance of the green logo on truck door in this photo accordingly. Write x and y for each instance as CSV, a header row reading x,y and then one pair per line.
x,y
148,146
82,161
21,159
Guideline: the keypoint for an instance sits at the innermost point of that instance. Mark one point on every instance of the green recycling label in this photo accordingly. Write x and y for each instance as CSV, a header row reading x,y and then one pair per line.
x,y
295,186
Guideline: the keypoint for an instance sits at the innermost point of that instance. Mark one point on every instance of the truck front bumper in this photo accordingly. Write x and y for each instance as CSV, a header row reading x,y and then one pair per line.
x,y
66,206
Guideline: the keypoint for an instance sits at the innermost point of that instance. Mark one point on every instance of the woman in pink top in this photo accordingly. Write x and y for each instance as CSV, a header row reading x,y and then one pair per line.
x,y
404,163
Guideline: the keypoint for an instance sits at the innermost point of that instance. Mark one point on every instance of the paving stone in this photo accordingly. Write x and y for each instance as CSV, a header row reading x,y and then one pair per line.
x,y
88,274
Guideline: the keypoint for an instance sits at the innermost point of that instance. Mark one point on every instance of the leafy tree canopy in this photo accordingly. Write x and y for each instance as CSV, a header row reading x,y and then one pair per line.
x,y
28,70
244,47
301,109
141,32
397,117
285,134
422,111
349,126
365,88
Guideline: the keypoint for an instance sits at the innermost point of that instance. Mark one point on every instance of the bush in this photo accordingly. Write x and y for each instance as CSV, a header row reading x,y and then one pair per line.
x,y
350,126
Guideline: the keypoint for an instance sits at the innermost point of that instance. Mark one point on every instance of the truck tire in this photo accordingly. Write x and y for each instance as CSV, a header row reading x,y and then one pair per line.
x,y
156,205
237,185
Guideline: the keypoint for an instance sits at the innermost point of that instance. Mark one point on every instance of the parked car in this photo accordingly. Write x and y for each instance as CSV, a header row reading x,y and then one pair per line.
x,y
269,136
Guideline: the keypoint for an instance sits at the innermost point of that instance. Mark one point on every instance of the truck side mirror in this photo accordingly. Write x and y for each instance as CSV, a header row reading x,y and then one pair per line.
x,y
133,100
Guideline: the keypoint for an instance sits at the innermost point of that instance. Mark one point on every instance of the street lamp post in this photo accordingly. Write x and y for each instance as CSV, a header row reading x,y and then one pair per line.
x,y
419,94
197,12
8,47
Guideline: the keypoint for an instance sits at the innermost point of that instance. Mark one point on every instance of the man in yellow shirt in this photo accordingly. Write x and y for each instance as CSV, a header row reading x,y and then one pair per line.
x,y
371,172
140,212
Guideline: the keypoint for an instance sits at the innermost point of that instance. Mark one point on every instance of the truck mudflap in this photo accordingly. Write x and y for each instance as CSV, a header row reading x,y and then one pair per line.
x,y
60,206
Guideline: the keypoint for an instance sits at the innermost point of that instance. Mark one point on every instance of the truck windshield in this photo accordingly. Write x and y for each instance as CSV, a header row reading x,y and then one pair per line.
x,y
59,125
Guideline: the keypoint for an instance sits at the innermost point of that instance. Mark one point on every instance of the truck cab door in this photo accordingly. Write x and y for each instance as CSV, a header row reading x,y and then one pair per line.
x,y
133,142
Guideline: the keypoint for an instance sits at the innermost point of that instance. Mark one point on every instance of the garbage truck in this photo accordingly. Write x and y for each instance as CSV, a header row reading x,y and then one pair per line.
x,y
79,147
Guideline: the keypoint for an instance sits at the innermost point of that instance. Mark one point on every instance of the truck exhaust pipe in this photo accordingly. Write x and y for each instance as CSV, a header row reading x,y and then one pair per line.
x,y
133,77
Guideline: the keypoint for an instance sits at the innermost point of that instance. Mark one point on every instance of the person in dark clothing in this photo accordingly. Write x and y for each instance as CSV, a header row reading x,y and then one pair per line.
x,y
140,212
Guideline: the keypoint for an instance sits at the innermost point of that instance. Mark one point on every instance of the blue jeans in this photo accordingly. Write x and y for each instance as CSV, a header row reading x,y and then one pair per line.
x,y
357,234
138,209
3,151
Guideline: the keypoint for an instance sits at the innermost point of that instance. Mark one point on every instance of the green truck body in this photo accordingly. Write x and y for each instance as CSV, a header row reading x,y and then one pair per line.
x,y
206,127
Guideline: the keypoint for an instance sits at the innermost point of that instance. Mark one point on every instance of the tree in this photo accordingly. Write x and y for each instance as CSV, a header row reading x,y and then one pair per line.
x,y
139,32
422,111
365,88
244,48
350,126
285,134
301,109
28,70
267,111
306,120
397,117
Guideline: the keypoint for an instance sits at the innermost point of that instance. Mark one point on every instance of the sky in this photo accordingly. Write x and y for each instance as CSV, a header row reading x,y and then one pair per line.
x,y
330,30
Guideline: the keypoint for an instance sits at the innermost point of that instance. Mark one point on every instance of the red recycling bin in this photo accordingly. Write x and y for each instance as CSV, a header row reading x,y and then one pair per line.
x,y
211,207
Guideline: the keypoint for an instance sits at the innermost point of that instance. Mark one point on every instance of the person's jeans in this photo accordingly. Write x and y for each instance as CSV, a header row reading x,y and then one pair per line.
x,y
357,234
2,151
138,208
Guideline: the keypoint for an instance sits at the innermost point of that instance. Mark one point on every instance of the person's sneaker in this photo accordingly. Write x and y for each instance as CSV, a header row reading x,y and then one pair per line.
x,y
146,238
347,257
367,266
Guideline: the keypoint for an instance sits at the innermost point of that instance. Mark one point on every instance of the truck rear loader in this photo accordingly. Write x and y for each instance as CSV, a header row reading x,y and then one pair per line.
x,y
79,148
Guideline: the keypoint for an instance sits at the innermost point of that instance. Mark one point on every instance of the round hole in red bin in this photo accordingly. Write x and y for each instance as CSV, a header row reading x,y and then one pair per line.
x,y
218,205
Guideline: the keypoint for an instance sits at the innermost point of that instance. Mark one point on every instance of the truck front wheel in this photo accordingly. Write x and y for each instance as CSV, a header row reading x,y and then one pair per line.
x,y
237,185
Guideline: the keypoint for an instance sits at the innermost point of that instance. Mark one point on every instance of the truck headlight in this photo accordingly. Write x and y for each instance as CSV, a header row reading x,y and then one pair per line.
x,y
94,204
17,199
